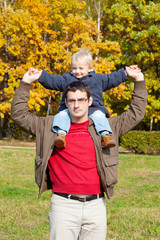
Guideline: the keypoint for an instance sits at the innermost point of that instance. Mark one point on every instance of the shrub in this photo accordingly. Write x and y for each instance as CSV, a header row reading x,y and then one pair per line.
x,y
141,142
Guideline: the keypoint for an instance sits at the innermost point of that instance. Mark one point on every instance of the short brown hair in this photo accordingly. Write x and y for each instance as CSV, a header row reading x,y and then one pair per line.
x,y
77,85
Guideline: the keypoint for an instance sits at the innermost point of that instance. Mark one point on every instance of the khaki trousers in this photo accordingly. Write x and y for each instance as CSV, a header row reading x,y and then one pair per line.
x,y
73,220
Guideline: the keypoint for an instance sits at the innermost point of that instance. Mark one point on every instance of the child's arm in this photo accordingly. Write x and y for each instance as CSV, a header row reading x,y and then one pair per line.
x,y
116,78
49,81
53,82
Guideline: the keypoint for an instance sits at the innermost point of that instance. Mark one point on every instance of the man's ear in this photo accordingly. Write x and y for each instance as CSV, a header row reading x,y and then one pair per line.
x,y
66,103
90,100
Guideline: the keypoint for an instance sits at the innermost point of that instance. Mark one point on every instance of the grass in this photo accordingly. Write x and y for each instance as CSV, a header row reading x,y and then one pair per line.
x,y
133,212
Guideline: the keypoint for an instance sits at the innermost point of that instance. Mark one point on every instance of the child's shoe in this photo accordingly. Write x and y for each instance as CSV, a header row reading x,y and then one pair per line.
x,y
60,141
108,142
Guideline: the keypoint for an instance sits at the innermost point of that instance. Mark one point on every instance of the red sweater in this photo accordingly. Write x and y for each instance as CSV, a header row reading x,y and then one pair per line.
x,y
73,169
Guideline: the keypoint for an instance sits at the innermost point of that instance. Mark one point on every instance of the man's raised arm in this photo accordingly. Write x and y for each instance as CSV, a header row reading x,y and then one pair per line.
x,y
19,108
136,111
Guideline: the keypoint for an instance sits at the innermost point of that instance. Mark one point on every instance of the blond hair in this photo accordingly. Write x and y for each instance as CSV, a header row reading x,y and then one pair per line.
x,y
83,55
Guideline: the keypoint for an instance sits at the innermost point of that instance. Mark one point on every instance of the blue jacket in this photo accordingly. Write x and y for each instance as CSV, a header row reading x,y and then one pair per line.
x,y
97,82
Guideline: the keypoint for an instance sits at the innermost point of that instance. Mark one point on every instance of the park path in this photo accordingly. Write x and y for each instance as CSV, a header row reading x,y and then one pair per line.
x,y
18,147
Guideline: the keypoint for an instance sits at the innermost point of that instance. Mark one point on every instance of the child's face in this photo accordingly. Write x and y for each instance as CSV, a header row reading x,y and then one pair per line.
x,y
80,68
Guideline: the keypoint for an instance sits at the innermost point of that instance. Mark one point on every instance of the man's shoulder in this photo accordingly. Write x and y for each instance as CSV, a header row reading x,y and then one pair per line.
x,y
113,121
49,118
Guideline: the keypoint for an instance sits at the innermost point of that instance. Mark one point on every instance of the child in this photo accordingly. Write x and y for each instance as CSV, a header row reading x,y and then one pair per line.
x,y
82,70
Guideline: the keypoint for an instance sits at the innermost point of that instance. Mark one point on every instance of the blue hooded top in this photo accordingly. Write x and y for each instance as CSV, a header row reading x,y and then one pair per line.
x,y
97,82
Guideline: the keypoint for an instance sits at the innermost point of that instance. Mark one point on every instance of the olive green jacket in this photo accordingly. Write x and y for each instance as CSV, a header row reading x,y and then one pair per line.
x,y
107,159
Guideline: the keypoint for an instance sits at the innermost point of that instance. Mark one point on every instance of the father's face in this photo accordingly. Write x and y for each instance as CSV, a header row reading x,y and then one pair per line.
x,y
78,104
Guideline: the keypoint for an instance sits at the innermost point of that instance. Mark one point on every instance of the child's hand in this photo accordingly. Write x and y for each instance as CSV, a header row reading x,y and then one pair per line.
x,y
135,67
34,71
134,72
32,75
131,70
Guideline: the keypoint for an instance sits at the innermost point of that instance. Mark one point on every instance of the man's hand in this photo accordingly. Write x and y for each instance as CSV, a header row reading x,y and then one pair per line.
x,y
134,72
32,75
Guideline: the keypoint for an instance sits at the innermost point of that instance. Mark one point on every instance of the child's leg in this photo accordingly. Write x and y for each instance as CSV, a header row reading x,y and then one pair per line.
x,y
101,123
103,128
61,122
61,125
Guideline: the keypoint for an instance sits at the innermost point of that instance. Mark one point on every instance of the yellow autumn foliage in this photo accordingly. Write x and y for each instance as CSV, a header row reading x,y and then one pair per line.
x,y
135,25
44,34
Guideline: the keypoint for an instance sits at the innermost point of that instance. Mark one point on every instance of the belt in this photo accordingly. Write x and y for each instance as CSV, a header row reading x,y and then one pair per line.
x,y
80,199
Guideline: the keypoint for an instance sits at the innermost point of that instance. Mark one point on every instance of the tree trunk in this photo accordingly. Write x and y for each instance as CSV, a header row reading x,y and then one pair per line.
x,y
49,105
151,124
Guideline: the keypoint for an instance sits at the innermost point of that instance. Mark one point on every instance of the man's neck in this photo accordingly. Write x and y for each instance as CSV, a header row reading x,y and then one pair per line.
x,y
79,120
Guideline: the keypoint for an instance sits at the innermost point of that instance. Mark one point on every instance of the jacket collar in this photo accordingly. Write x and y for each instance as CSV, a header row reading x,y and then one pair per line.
x,y
90,122
90,74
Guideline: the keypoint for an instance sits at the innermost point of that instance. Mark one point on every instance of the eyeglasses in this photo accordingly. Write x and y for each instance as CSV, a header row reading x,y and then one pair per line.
x,y
79,101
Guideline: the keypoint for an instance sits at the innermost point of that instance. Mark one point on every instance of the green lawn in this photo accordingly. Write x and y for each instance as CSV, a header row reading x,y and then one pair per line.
x,y
133,212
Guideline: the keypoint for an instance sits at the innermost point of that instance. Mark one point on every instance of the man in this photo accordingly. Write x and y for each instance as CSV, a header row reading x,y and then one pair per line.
x,y
80,173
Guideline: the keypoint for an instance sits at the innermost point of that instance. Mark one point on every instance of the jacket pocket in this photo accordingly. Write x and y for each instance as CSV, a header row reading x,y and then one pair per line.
x,y
111,171
38,170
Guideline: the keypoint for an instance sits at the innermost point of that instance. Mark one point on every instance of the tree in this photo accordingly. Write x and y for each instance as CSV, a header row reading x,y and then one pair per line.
x,y
94,9
45,37
135,25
